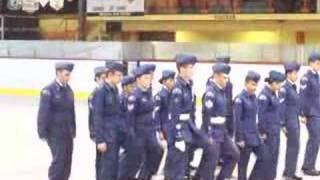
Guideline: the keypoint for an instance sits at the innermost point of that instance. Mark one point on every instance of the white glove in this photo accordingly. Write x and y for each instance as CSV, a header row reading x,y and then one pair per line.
x,y
181,145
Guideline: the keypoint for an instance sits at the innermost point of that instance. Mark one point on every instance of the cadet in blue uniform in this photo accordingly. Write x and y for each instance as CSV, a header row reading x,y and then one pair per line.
x,y
247,134
144,148
107,122
291,111
270,117
310,100
127,84
215,110
56,121
99,76
185,133
162,100
229,88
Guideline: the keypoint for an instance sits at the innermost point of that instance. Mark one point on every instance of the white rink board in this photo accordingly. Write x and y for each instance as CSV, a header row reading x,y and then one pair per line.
x,y
35,74
24,156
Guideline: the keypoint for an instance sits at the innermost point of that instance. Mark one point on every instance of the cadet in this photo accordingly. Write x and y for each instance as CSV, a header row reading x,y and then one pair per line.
x,y
56,121
107,122
143,148
185,133
99,76
291,111
162,100
270,117
215,110
310,100
247,134
229,88
127,84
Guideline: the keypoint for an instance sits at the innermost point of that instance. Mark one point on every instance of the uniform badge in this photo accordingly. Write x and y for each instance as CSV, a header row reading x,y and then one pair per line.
x,y
169,116
177,91
209,104
178,126
238,101
262,97
157,98
45,92
210,94
132,98
176,100
130,107
303,86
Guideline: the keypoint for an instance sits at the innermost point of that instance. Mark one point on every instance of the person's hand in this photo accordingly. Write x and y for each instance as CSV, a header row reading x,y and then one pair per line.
x,y
241,144
304,120
263,136
211,141
102,147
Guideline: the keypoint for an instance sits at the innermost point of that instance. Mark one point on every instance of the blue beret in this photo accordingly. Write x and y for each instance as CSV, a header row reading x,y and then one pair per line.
x,y
142,70
166,74
151,67
254,76
223,59
221,68
314,57
182,59
291,66
64,66
275,76
127,80
114,65
99,70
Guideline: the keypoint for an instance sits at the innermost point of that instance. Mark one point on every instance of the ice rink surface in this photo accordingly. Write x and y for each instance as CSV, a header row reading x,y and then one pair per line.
x,y
24,157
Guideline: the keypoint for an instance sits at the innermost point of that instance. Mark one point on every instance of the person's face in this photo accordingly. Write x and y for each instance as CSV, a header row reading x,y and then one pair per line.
x,y
169,83
101,78
186,71
129,88
64,76
115,77
251,86
145,81
315,65
275,86
221,79
293,76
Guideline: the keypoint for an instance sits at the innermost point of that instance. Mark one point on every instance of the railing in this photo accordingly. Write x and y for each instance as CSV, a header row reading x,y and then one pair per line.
x,y
228,6
154,51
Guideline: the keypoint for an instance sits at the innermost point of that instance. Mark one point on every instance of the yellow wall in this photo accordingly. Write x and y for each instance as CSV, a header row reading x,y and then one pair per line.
x,y
58,25
268,37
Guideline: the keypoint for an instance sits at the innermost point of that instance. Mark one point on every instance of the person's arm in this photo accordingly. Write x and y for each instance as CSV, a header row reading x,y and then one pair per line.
x,y
131,114
159,122
282,97
304,86
262,110
74,125
44,113
207,106
99,108
175,104
237,114
91,113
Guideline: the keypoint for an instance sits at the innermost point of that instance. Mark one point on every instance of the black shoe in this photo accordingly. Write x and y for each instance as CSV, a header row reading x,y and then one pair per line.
x,y
295,177
311,172
292,178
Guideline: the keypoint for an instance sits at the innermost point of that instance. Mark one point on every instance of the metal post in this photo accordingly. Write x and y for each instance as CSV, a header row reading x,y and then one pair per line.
x,y
82,19
2,27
